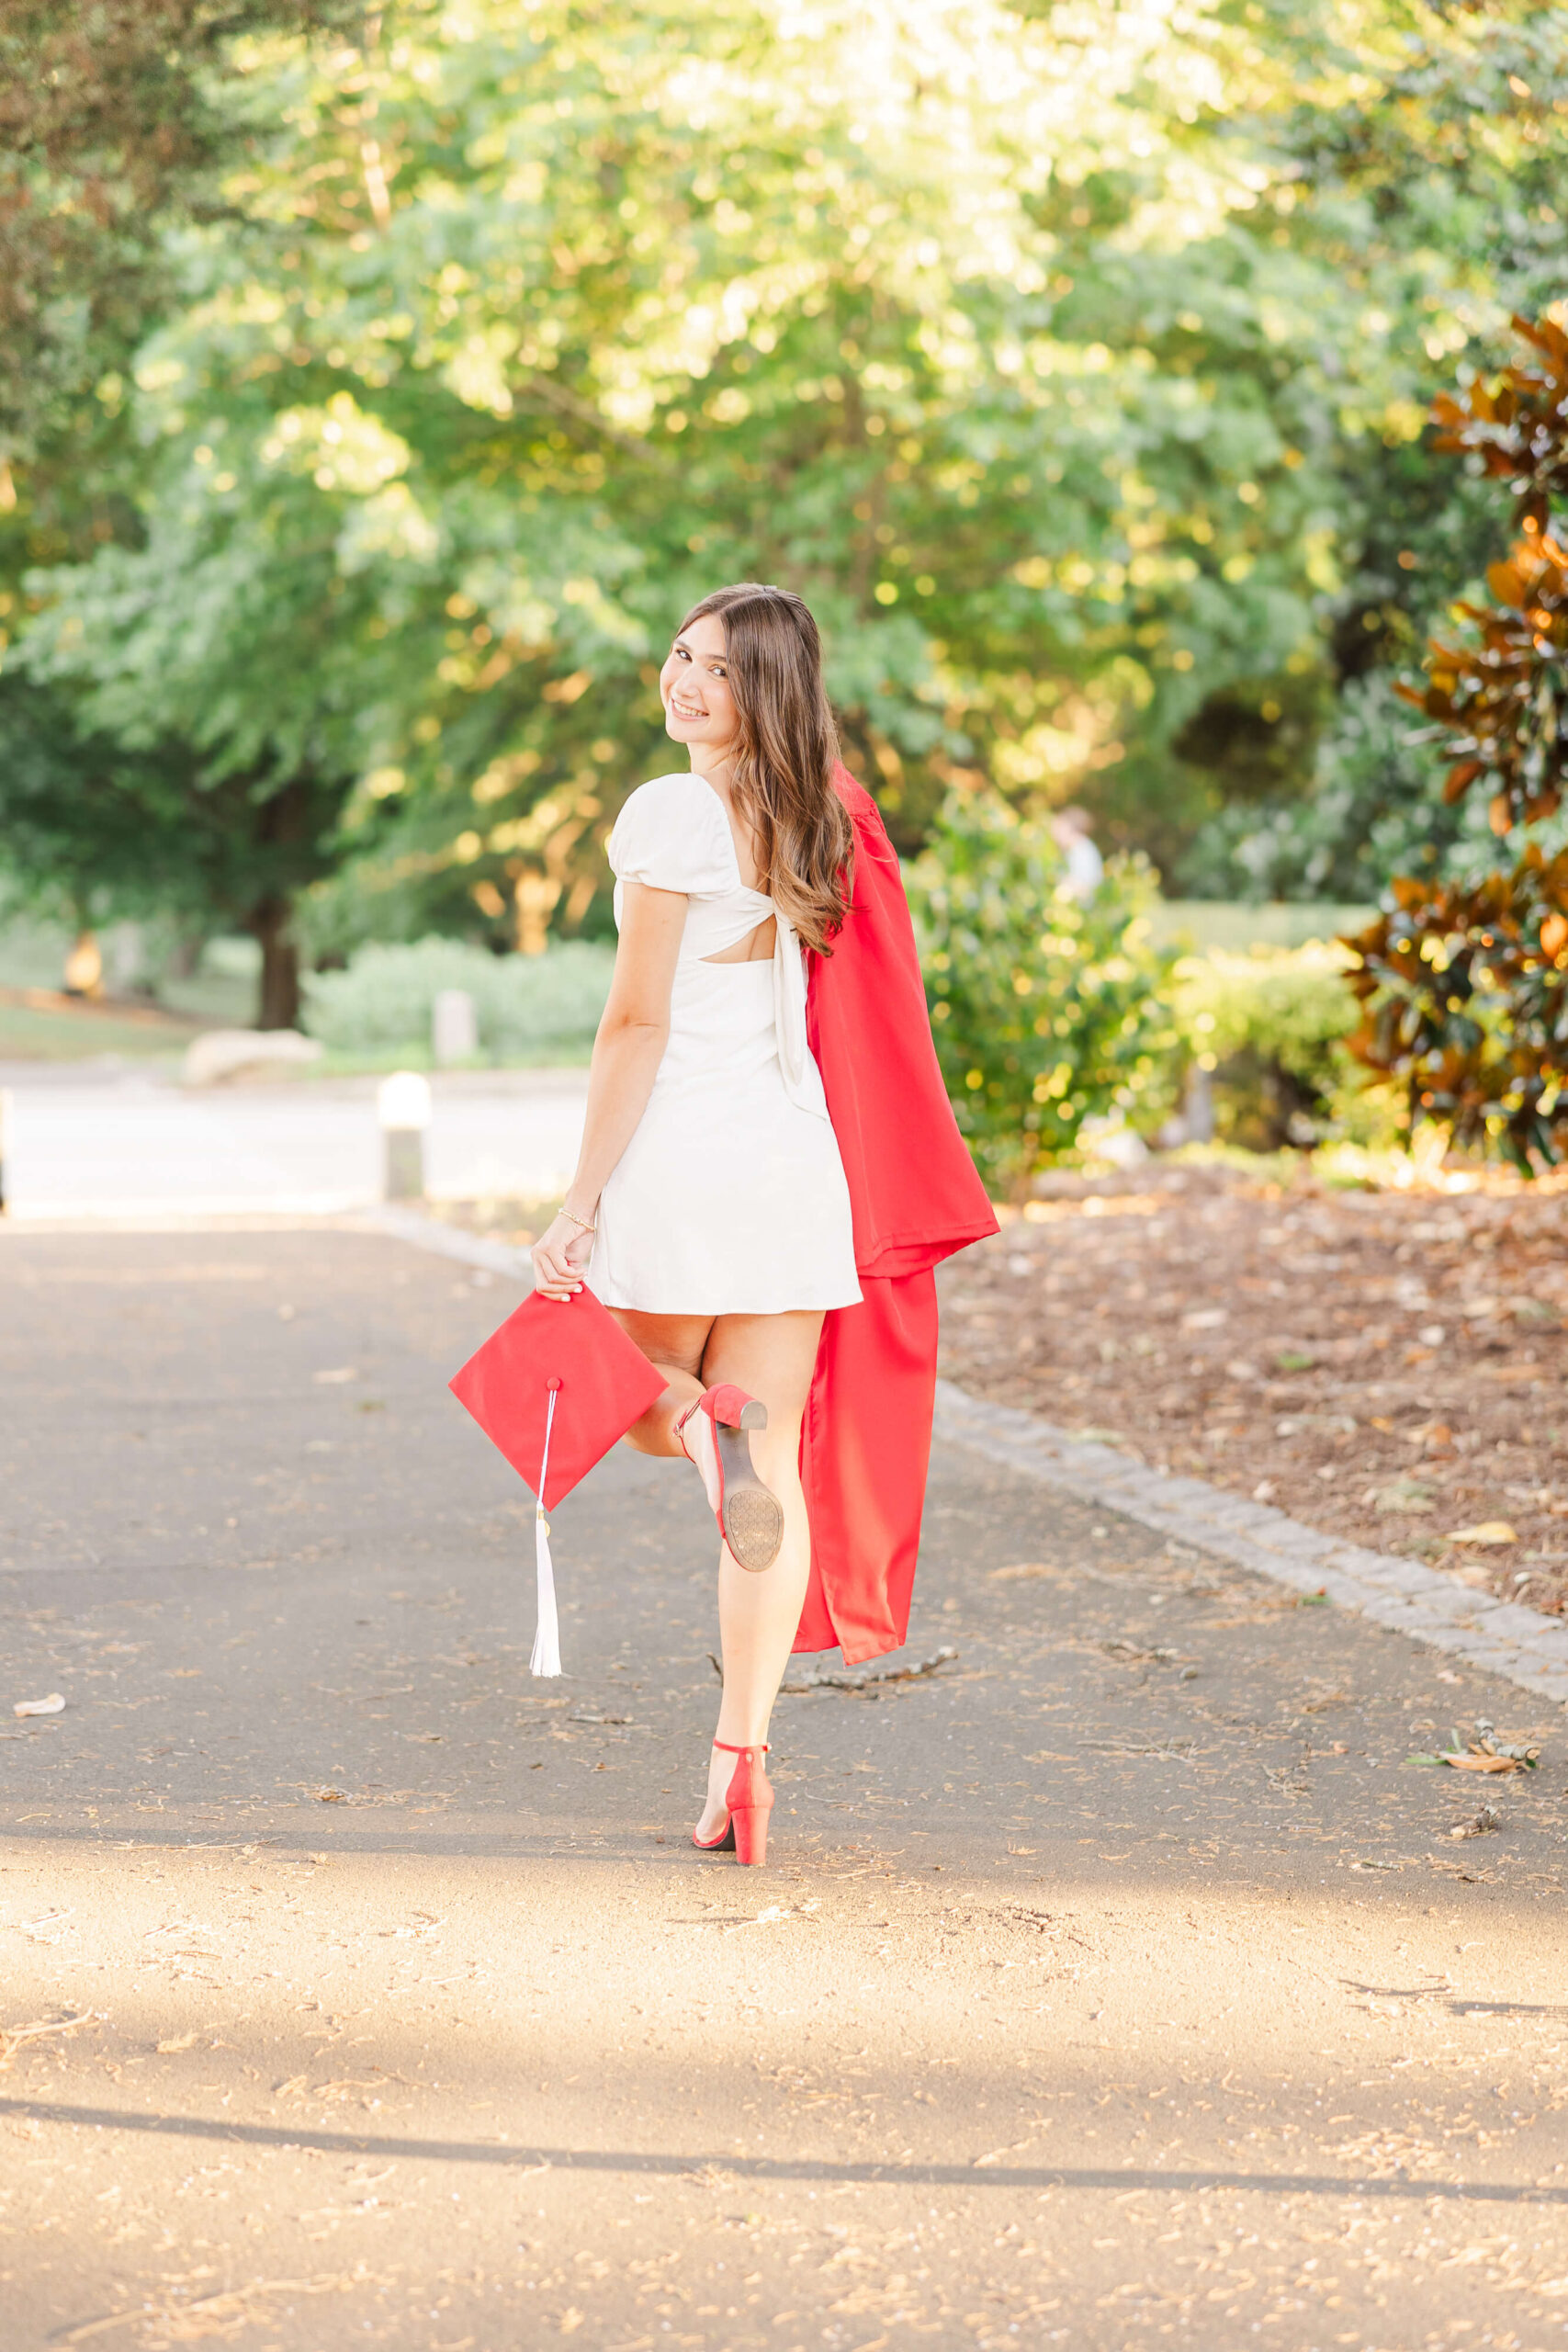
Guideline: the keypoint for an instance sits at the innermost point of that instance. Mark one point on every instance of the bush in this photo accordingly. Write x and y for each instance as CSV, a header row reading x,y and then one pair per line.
x,y
1046,1011
525,1005
1273,1027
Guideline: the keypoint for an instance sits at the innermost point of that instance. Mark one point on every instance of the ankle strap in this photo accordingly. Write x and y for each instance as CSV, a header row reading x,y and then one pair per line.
x,y
730,1749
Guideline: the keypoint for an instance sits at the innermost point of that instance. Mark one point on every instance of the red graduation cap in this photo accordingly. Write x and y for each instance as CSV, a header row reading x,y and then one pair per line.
x,y
554,1389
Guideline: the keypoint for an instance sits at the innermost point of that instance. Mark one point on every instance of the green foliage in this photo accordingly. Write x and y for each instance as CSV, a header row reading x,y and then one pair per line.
x,y
1046,1011
1273,1027
526,1006
1290,1005
99,821
473,344
1432,179
112,125
1373,810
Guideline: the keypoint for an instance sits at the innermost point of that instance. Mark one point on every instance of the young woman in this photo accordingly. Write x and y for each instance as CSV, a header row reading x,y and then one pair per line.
x,y
710,1210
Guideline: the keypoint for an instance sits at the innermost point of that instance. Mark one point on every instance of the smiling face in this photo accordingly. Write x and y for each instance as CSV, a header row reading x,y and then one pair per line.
x,y
694,686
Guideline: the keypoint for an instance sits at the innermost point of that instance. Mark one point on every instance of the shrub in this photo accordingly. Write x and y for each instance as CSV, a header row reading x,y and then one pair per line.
x,y
1047,1010
525,1004
1274,1028
1464,985
1464,1001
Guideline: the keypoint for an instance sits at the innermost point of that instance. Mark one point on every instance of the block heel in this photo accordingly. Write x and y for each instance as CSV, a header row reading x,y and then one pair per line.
x,y
750,1515
749,1799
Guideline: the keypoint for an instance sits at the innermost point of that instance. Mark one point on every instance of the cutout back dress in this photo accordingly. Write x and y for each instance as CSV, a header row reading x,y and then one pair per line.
x,y
730,1198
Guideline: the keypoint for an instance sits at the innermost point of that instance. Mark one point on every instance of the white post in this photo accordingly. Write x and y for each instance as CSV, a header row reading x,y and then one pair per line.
x,y
7,1107
403,1103
454,1029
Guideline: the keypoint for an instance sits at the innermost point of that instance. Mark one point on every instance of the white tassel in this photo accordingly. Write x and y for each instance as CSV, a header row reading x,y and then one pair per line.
x,y
547,1640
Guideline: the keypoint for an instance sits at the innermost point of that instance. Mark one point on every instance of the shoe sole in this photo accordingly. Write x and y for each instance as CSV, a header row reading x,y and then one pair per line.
x,y
753,1516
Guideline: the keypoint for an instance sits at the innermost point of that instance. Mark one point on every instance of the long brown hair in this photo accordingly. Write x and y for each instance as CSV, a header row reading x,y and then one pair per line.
x,y
781,778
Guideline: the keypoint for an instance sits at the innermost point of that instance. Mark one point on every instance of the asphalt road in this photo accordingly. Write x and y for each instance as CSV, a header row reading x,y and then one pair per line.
x,y
1117,1983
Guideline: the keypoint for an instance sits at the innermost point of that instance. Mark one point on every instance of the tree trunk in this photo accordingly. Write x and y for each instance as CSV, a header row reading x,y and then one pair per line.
x,y
277,1000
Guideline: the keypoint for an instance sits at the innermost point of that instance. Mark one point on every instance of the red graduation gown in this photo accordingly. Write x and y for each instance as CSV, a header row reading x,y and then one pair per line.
x,y
916,1198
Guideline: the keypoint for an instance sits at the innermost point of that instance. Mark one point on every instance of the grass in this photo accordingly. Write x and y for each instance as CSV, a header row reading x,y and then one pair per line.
x,y
63,1030
1232,928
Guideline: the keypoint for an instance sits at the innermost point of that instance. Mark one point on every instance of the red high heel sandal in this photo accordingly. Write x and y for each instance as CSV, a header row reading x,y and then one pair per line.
x,y
750,1515
749,1798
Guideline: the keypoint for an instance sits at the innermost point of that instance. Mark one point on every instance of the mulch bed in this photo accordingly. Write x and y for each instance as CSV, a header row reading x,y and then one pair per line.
x,y
1387,1366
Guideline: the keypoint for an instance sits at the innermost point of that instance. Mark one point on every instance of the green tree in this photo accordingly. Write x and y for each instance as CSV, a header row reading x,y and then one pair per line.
x,y
1427,165
119,123
106,821
112,125
521,328
526,330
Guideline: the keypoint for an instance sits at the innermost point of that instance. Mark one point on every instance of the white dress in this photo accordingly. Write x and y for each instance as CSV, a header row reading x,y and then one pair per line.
x,y
730,1197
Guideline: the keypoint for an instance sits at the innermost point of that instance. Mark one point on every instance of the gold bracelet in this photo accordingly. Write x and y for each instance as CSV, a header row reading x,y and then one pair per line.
x,y
580,1222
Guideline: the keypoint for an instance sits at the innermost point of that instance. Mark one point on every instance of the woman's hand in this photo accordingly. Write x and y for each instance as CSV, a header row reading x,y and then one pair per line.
x,y
560,1255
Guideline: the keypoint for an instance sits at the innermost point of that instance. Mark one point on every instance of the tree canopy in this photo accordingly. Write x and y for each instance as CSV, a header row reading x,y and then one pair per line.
x,y
1073,361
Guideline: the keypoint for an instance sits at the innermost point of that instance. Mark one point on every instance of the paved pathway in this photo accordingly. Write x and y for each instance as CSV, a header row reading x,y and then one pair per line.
x,y
1116,1984
114,1142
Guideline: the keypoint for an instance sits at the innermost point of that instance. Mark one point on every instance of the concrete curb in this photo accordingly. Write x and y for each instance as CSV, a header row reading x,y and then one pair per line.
x,y
1499,1636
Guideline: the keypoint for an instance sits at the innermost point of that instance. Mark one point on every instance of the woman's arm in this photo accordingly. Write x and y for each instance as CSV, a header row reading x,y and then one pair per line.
x,y
626,1054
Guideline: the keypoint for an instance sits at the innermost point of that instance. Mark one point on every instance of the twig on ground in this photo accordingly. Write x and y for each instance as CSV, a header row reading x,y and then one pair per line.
x,y
13,2035
857,1681
863,1681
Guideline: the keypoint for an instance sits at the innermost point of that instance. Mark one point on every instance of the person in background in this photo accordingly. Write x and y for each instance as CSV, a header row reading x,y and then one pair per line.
x,y
1072,830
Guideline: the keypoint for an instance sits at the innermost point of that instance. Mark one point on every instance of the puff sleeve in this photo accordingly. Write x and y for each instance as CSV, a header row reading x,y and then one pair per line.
x,y
672,834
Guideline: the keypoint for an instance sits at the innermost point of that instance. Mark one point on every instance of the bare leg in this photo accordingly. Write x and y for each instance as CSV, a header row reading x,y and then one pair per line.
x,y
673,1344
772,1357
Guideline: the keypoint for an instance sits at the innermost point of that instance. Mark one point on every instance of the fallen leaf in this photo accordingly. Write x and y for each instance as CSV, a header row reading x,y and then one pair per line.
x,y
331,1796
54,1705
1404,1495
180,2041
1489,1531
1481,1754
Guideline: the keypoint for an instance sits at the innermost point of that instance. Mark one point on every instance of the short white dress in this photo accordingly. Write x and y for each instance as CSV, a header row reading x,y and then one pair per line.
x,y
730,1197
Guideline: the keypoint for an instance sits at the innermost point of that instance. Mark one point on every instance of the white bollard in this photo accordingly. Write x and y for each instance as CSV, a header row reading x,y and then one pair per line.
x,y
454,1029
403,1103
